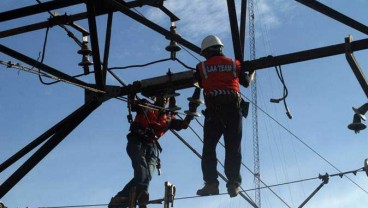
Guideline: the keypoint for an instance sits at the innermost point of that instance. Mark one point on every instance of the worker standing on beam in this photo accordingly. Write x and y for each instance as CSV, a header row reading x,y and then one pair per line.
x,y
219,77
151,122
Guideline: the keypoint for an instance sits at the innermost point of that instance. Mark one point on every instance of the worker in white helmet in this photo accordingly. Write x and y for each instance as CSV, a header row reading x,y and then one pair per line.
x,y
219,77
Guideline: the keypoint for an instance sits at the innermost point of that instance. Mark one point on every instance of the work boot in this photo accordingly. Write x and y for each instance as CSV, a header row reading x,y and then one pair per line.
x,y
143,199
118,201
209,189
233,190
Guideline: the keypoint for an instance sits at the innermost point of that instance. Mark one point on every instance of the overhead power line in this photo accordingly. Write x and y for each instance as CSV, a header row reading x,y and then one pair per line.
x,y
192,197
305,144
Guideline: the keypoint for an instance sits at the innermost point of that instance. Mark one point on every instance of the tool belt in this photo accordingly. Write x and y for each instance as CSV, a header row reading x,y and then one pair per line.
x,y
146,134
220,101
218,105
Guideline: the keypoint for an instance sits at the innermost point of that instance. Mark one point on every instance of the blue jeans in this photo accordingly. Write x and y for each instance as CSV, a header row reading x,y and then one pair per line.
x,y
144,159
227,121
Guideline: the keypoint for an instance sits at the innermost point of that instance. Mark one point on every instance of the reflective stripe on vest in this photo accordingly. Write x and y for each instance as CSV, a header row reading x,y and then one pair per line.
x,y
223,92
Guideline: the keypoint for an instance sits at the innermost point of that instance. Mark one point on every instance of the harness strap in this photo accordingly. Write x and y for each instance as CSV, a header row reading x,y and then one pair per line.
x,y
234,68
204,70
158,162
158,146
129,116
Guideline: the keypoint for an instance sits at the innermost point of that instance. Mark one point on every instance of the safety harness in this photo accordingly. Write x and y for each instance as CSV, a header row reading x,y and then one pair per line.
x,y
148,135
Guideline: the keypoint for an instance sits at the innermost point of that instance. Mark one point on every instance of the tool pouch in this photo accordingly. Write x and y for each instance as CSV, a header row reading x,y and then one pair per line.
x,y
244,105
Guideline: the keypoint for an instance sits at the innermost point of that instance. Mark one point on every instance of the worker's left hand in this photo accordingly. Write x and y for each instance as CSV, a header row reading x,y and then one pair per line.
x,y
135,87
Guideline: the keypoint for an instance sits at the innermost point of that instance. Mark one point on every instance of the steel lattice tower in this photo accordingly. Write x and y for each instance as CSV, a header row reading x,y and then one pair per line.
x,y
252,43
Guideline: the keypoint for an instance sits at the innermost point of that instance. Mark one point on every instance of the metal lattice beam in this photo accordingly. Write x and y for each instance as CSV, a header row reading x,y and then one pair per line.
x,y
36,9
91,9
122,7
306,55
234,30
334,15
68,126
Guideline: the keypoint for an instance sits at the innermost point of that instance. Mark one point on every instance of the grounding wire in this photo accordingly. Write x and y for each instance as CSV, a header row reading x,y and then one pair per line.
x,y
10,65
189,52
43,57
183,64
140,65
150,63
95,90
26,69
309,147
117,78
70,34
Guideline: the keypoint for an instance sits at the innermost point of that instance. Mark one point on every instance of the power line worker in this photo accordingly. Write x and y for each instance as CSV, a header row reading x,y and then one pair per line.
x,y
150,124
219,77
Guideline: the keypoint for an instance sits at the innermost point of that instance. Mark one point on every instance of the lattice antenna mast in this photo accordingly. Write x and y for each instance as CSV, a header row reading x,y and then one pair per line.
x,y
252,43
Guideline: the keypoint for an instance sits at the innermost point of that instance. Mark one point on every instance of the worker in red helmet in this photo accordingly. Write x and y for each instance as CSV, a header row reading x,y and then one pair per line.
x,y
150,124
219,77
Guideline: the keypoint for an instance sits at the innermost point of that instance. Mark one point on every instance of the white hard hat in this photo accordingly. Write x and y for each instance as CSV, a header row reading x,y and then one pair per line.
x,y
209,41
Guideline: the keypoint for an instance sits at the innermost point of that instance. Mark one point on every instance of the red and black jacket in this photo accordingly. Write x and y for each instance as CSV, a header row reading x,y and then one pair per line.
x,y
152,123
220,73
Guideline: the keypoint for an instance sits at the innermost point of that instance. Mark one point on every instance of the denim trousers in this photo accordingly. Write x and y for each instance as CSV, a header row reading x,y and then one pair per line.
x,y
223,120
144,159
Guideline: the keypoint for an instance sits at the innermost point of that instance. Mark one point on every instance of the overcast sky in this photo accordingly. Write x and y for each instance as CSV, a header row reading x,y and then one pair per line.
x,y
91,164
